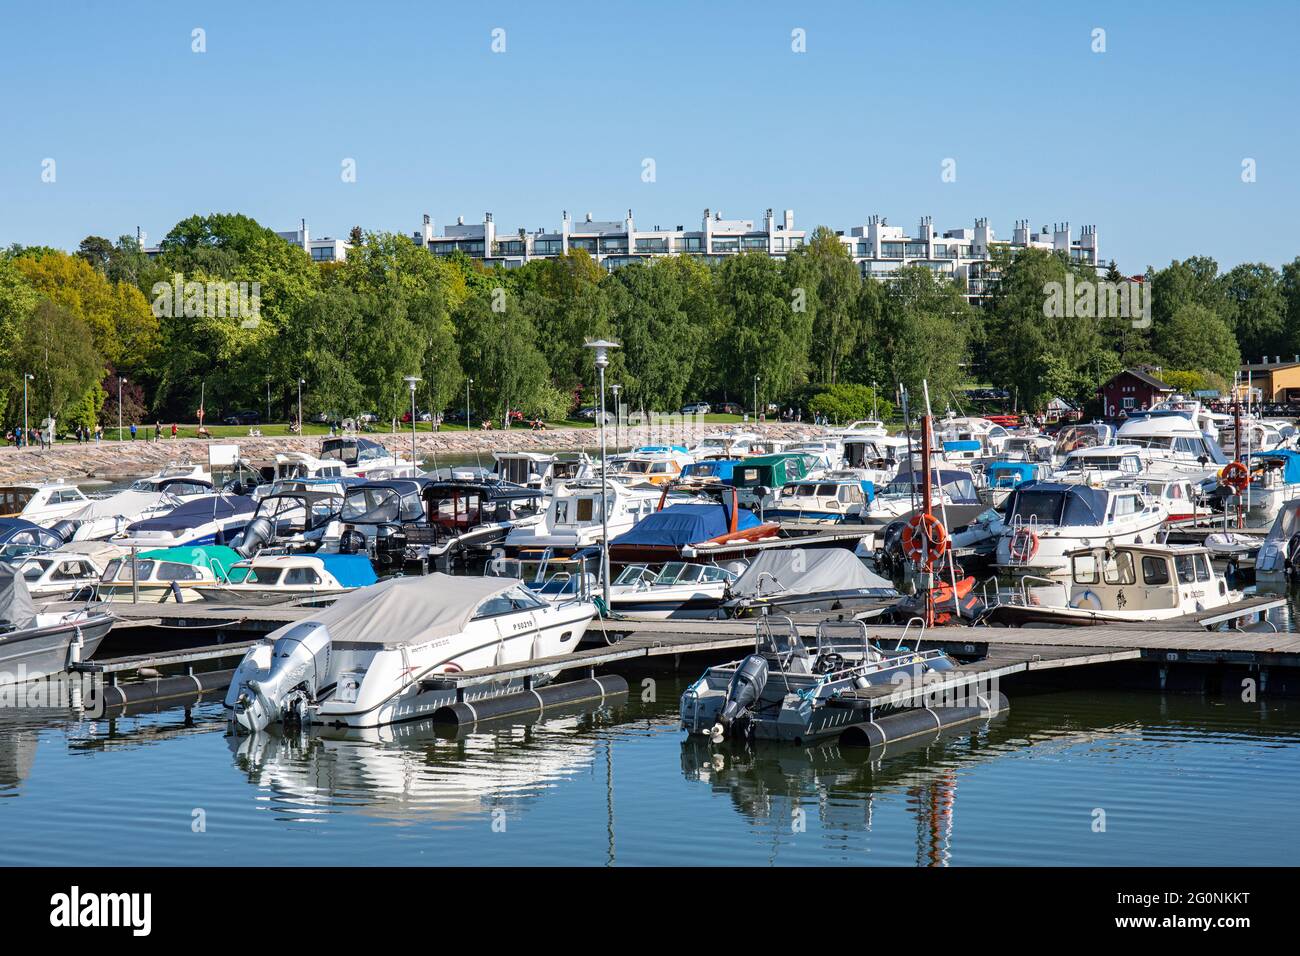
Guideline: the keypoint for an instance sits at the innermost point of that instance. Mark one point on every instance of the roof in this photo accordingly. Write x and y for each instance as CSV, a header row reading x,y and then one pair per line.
x,y
406,610
1145,378
1267,366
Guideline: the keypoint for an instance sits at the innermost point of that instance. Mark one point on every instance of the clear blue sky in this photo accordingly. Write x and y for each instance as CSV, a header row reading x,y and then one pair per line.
x,y
1145,140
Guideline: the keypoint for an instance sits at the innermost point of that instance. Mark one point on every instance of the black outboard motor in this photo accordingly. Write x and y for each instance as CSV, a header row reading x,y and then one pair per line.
x,y
744,690
390,548
258,532
352,541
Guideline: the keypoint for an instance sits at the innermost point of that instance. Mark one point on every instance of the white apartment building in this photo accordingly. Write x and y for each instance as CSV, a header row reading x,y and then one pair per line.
x,y
324,249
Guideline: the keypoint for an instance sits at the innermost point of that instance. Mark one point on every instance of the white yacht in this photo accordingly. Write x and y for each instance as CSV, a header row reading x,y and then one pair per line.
x,y
970,439
1098,464
1171,443
364,458
1046,521
374,657
41,503
573,517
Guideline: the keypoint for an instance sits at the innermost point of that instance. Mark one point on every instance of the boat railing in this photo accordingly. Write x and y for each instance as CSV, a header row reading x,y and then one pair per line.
x,y
996,592
1025,595
907,629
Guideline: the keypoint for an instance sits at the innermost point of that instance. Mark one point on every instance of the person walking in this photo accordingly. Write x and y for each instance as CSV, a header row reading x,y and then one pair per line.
x,y
99,433
173,429
157,431
133,431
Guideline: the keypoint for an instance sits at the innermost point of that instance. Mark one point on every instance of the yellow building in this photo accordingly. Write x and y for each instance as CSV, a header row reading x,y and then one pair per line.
x,y
1275,381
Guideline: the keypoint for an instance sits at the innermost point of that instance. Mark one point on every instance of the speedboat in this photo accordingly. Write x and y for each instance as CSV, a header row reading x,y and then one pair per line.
x,y
831,498
212,519
33,644
302,578
657,464
20,537
167,574
787,691
796,579
1279,555
573,520
364,458
184,482
676,591
1121,583
376,655
41,504
102,518
1046,521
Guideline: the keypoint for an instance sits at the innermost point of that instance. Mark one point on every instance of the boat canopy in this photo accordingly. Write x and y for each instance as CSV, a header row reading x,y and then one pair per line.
x,y
16,608
121,505
958,485
679,525
773,471
1287,460
720,468
20,531
1049,502
196,512
216,558
789,571
965,445
406,610
350,570
1009,474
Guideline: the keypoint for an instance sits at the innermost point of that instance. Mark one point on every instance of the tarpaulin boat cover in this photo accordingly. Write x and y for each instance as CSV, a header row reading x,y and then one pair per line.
x,y
16,608
680,525
1289,460
197,512
124,504
350,570
406,610
807,571
215,557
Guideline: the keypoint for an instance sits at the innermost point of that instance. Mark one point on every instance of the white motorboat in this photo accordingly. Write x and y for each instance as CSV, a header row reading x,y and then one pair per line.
x,y
101,518
1279,555
1169,443
301,578
573,519
167,574
182,481
674,591
1098,464
1046,521
376,655
831,498
70,573
211,519
657,464
364,458
970,439
41,503
36,644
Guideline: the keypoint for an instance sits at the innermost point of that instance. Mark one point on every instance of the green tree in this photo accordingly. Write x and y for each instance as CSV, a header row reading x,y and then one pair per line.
x,y
822,271
1196,338
924,327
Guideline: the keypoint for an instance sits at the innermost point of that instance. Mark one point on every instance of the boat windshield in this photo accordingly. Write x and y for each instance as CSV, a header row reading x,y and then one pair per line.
x,y
371,505
679,572
635,574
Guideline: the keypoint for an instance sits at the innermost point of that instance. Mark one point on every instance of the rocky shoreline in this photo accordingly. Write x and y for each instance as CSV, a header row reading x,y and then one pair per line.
x,y
111,461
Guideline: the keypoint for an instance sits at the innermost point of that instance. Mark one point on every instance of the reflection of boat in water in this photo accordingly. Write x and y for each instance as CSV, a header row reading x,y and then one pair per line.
x,y
409,772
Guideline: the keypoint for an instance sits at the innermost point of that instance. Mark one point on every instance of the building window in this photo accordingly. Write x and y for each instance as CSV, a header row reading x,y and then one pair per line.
x,y
618,245
548,247
726,245
892,250
754,242
323,253
589,244
916,250
690,244
652,245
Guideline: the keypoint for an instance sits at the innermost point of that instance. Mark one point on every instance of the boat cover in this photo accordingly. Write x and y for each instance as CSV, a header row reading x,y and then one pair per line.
x,y
216,558
124,504
16,609
1008,474
406,610
351,570
806,571
679,525
1289,460
197,512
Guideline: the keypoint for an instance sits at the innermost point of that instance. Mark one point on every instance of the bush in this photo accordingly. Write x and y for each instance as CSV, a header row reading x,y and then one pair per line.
x,y
847,403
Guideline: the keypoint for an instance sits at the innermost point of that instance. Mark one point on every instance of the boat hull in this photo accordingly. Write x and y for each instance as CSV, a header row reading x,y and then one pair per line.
x,y
37,652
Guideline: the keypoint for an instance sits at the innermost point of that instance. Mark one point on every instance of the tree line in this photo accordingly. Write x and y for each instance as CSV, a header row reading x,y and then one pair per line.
x,y
807,330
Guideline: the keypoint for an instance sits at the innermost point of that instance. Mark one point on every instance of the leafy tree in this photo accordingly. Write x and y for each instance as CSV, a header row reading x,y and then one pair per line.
x,y
55,346
1196,338
1256,309
924,325
498,349
822,271
844,403
762,333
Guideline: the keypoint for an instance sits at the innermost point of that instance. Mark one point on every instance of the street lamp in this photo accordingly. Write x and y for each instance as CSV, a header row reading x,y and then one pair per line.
x,y
601,348
27,378
412,381
618,416
468,383
301,382
120,380
755,398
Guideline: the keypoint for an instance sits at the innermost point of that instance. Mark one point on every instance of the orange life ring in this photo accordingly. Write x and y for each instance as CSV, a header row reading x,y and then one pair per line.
x,y
1235,475
924,540
1024,545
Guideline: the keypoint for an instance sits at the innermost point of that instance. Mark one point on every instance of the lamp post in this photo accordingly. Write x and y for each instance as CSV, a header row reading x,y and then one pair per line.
x,y
412,381
301,382
755,399
468,383
601,348
618,416
27,378
120,380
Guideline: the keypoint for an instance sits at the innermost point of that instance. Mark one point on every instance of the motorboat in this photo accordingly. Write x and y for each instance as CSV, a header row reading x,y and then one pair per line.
x,y
1083,435
578,514
1273,479
834,497
1046,521
182,481
677,590
299,464
1170,443
211,519
20,537
300,578
1279,556
1257,434
1121,583
1027,446
794,580
965,440
901,497
879,456
1003,477
541,470
43,503
870,427
826,453
732,444
758,481
37,644
787,691
288,516
666,533
101,518
365,458
68,574
1183,498
657,464
167,574
376,655
1098,464
474,518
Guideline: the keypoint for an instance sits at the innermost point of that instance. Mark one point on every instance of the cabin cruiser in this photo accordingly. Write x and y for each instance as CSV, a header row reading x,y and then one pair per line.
x,y
212,519
301,578
104,517
1003,477
665,535
1073,437
902,496
790,692
1170,443
970,439
573,519
364,458
795,579
68,574
20,537
758,481
532,469
876,457
36,644
734,444
299,464
1206,421
826,453
167,574
1183,498
183,482
1098,464
676,591
375,656
833,498
1046,521
41,504
657,464
868,427
1258,434
1027,446
1121,583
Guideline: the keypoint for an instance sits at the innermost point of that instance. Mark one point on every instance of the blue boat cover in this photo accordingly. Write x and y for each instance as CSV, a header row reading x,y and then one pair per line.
x,y
197,512
680,525
1008,474
720,468
961,446
1290,462
351,570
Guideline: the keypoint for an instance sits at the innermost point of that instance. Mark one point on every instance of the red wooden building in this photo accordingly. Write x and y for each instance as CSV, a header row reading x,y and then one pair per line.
x,y
1132,388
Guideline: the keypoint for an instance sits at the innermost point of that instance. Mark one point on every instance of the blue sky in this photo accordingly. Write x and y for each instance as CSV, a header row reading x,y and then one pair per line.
x,y
1145,140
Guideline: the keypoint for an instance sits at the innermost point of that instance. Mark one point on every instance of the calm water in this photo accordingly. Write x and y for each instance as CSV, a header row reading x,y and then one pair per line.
x,y
1182,780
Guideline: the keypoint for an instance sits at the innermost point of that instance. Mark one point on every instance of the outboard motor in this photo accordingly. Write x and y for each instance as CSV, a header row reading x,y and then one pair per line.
x,y
299,666
255,536
744,690
352,541
390,548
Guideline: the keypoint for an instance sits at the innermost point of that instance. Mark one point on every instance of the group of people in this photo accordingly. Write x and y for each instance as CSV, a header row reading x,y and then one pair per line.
x,y
43,437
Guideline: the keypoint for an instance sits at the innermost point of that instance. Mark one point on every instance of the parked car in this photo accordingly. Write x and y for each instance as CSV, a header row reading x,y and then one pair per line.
x,y
368,417
591,414
729,408
696,408
242,418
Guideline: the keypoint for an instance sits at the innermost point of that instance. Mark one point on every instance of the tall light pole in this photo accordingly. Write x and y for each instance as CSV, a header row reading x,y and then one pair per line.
x,y
120,380
301,382
468,383
755,399
412,381
601,348
27,378
618,416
